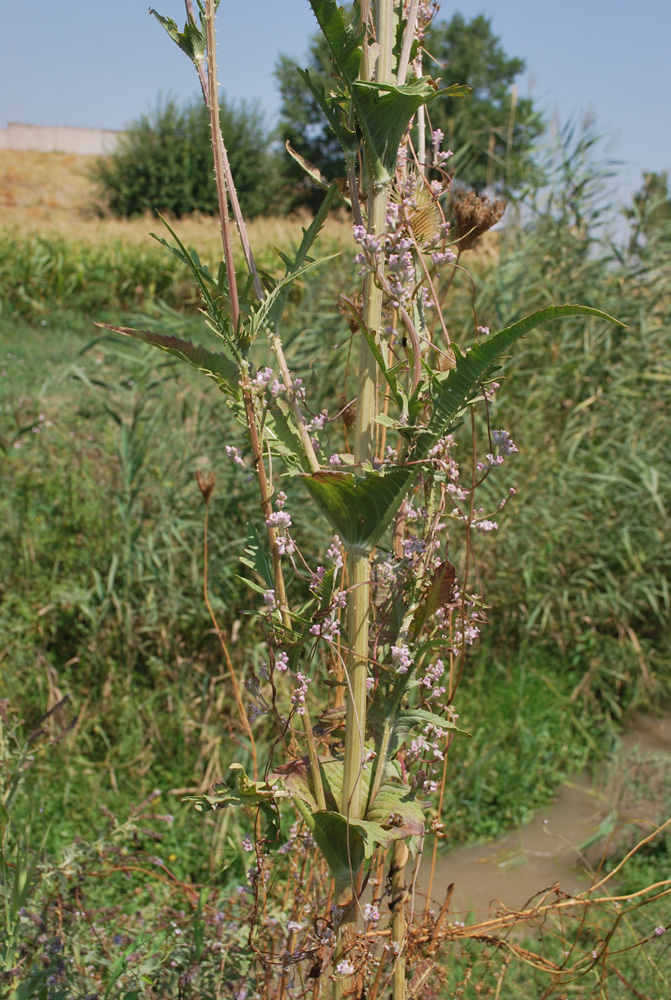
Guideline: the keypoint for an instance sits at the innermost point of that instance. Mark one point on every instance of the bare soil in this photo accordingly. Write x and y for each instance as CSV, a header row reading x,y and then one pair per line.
x,y
567,844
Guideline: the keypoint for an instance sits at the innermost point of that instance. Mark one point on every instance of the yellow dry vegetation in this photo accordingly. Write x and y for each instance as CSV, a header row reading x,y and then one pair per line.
x,y
51,193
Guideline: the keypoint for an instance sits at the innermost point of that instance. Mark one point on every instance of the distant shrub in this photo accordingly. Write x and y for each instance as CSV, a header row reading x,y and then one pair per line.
x,y
164,162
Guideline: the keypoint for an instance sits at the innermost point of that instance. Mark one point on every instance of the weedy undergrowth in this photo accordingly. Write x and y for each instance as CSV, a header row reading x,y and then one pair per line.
x,y
378,647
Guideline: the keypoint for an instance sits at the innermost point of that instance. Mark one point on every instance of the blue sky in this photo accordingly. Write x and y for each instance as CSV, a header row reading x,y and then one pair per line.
x,y
95,63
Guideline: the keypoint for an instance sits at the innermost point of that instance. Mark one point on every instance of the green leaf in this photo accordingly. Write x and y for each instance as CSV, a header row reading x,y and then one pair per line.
x,y
392,815
439,593
284,438
296,776
192,40
294,267
332,108
341,844
384,111
270,310
245,792
455,90
216,366
235,341
346,844
396,810
343,41
315,174
473,367
255,557
417,718
359,507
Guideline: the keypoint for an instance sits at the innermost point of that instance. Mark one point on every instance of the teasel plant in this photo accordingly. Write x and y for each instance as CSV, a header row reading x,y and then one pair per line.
x,y
378,648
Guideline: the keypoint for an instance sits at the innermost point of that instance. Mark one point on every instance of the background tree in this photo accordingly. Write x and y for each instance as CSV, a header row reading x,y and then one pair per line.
x,y
164,162
492,132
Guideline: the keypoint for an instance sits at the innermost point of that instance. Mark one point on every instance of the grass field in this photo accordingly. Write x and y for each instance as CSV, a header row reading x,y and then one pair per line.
x,y
101,589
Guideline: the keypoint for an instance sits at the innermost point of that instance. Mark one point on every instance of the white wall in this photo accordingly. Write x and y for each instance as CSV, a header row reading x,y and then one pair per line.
x,y
59,139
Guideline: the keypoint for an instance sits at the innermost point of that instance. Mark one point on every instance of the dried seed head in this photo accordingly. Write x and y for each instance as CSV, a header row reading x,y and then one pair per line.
x,y
346,307
205,484
348,412
423,217
474,216
425,220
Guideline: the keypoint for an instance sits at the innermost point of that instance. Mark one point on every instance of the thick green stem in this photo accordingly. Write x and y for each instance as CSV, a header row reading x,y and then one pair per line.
x,y
399,895
358,560
358,610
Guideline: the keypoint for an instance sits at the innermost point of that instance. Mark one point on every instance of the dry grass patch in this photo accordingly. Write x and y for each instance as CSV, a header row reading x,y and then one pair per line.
x,y
52,194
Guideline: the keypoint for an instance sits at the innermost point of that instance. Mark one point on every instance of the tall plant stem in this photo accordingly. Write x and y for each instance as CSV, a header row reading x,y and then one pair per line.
x,y
222,169
358,560
358,606
398,898
226,189
225,185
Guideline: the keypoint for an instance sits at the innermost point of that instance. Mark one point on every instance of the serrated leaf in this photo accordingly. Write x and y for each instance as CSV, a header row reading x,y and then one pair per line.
x,y
347,137
315,174
192,39
236,341
415,718
455,90
357,506
310,234
216,366
343,41
471,368
438,594
270,310
284,436
255,557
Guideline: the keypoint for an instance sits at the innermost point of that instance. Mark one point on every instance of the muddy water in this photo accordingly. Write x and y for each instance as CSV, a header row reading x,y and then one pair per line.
x,y
510,871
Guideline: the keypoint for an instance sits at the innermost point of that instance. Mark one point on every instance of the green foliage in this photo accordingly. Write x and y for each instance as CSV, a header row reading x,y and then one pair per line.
x,y
361,509
492,143
40,274
650,212
115,533
164,162
594,467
